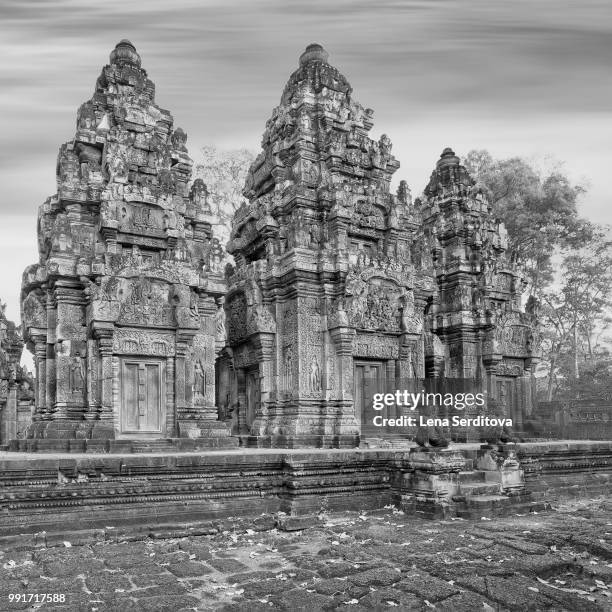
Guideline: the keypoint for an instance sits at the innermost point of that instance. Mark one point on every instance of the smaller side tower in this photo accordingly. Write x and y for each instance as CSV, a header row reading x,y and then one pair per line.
x,y
479,328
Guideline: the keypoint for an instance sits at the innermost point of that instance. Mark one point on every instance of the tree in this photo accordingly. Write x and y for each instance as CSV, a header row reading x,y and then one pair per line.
x,y
565,259
224,172
577,313
538,210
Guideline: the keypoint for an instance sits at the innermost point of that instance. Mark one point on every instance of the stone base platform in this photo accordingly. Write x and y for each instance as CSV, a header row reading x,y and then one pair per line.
x,y
55,492
166,445
302,441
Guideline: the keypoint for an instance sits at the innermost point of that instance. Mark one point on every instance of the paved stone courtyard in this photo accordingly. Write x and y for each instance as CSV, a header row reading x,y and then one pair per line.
x,y
559,559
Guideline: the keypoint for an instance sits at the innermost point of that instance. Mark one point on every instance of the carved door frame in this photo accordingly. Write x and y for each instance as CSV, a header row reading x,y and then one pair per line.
x,y
380,368
144,397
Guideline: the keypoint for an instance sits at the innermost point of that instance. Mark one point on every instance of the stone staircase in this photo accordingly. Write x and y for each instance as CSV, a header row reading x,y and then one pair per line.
x,y
473,484
153,446
481,495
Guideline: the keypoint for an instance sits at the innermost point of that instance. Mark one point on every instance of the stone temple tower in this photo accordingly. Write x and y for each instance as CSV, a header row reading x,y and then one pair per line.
x,y
331,277
121,309
479,329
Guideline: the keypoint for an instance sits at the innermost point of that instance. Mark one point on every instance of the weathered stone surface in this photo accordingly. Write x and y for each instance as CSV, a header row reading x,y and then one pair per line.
x,y
121,312
479,329
229,566
16,383
339,282
323,274
439,573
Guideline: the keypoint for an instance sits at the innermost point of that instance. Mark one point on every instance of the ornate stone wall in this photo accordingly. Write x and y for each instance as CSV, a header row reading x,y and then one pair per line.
x,y
120,311
330,268
16,383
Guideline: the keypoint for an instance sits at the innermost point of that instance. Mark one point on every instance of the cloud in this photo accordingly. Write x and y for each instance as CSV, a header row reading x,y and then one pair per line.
x,y
523,77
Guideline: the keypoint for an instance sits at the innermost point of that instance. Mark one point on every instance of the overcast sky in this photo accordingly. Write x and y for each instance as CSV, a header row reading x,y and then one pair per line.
x,y
526,77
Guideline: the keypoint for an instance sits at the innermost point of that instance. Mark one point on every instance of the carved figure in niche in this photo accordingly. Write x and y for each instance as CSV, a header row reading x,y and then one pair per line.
x,y
345,197
312,172
141,291
179,139
199,379
375,155
118,167
478,295
393,217
334,142
315,234
199,195
86,116
315,375
305,122
167,181
193,305
68,171
76,377
385,145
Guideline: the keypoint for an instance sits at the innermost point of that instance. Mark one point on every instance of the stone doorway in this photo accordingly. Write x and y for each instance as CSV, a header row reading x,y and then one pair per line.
x,y
368,378
143,406
508,398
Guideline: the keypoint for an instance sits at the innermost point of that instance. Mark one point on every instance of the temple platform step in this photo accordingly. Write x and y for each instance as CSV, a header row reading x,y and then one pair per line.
x,y
489,506
165,445
472,489
470,476
58,491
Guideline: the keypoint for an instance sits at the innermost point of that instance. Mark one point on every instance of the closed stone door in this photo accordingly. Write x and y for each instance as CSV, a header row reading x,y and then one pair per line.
x,y
368,379
142,398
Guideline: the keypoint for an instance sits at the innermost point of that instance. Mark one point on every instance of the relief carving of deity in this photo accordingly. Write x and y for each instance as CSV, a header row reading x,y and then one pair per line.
x,y
199,379
76,375
315,375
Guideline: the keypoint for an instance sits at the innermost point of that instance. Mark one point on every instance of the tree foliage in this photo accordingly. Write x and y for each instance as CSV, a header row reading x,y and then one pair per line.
x,y
567,261
538,210
224,172
577,316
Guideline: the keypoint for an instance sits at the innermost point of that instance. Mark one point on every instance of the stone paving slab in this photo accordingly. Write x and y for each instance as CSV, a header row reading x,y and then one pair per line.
x,y
384,560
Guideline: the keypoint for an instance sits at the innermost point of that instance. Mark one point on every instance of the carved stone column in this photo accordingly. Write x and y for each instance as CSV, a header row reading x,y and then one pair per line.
x,y
343,339
347,426
104,426
10,413
40,360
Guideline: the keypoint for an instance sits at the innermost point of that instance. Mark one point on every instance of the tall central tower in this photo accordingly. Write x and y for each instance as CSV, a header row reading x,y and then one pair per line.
x,y
330,281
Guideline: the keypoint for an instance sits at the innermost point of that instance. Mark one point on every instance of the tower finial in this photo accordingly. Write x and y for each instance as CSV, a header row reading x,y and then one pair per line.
x,y
314,53
125,53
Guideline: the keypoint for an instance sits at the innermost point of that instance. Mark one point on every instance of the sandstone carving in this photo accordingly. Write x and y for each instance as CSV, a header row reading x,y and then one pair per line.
x,y
128,283
339,282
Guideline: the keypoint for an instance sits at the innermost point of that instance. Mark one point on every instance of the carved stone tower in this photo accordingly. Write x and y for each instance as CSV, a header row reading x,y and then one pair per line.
x,y
479,328
331,279
120,311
